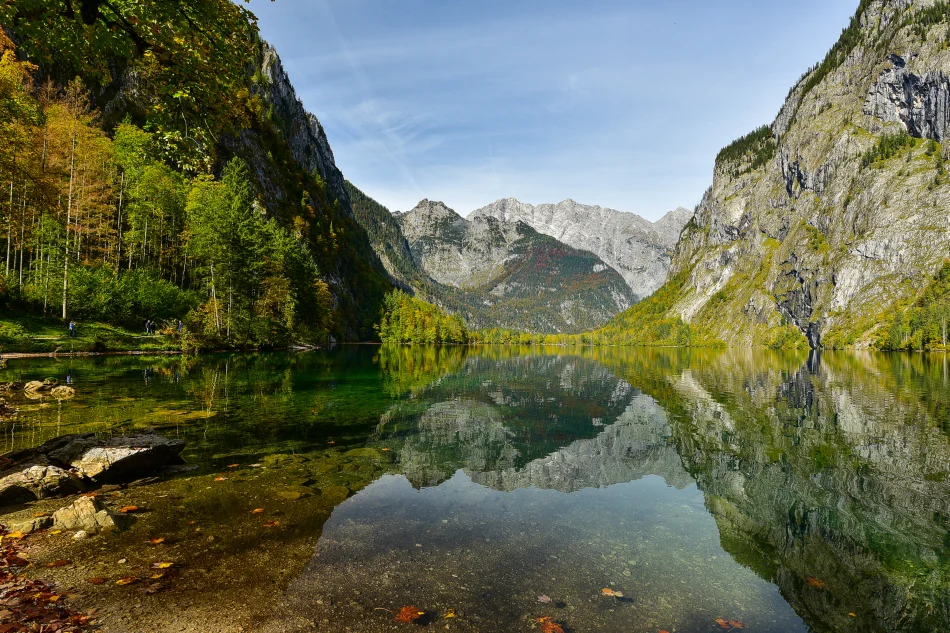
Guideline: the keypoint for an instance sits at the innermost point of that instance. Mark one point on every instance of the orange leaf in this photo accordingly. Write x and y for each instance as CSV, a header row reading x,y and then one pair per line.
x,y
128,509
663,631
128,580
409,614
220,478
58,563
814,582
157,541
96,580
233,465
257,511
610,593
736,624
273,523
547,625
14,535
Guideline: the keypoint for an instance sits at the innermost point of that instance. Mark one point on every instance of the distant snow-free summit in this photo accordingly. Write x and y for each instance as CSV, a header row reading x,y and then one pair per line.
x,y
633,246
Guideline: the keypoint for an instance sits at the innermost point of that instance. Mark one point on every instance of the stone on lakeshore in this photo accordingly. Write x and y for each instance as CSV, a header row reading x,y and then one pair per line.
x,y
37,480
117,459
30,525
86,513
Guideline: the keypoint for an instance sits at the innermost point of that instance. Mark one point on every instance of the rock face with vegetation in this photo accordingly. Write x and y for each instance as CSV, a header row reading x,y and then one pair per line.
x,y
831,223
493,273
635,247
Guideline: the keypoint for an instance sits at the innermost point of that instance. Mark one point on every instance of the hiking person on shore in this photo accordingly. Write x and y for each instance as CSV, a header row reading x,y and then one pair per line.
x,y
72,329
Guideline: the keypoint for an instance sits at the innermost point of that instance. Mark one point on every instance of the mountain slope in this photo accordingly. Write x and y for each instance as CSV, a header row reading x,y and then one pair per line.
x,y
833,220
505,274
633,246
170,98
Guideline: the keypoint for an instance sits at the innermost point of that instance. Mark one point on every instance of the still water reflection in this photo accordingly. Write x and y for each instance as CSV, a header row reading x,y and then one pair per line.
x,y
709,488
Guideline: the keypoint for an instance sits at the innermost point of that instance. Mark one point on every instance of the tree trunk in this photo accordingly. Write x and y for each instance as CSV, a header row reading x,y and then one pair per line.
x,y
69,211
9,227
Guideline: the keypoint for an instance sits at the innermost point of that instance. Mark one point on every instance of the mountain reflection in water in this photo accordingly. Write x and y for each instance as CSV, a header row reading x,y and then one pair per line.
x,y
786,491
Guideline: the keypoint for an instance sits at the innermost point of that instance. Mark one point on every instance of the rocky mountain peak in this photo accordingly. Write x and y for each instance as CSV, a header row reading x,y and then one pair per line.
x,y
633,246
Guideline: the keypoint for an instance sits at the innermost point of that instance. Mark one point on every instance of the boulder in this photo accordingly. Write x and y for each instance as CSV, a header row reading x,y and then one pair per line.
x,y
70,463
127,458
88,514
38,480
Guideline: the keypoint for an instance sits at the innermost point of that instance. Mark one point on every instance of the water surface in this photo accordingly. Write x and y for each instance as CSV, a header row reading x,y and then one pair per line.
x,y
502,485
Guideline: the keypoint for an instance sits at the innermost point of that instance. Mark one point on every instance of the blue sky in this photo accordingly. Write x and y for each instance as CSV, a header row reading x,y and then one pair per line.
x,y
621,104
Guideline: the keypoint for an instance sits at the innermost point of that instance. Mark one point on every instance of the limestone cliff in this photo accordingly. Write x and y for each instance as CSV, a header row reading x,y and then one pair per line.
x,y
836,215
635,247
500,273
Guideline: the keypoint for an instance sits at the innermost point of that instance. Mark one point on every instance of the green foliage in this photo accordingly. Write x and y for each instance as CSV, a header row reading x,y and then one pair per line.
x,y
924,325
97,293
787,337
924,18
650,321
189,60
406,319
887,146
752,151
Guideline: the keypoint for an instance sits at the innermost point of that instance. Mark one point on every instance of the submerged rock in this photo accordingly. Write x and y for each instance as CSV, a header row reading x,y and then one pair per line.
x,y
87,514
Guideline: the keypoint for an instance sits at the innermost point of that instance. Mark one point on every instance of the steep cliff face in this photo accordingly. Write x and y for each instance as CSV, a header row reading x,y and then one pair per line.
x,y
835,216
499,273
635,247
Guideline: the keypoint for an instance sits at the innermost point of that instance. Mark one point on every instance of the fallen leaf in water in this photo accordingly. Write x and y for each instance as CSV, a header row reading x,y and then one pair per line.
x,y
128,509
55,532
450,613
157,575
162,565
89,494
128,580
233,465
544,599
58,563
663,631
152,588
331,442
814,582
256,465
257,511
729,624
409,614
736,624
853,615
96,580
14,535
157,541
385,449
273,523
610,593
220,478
547,625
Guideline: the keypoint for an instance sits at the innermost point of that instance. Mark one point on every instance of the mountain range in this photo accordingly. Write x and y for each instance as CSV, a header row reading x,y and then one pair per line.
x,y
552,270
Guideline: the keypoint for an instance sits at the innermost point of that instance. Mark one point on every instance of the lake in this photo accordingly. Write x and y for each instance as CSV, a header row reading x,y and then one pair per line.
x,y
512,489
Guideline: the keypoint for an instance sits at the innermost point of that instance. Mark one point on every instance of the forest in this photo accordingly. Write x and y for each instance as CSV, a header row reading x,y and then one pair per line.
x,y
138,156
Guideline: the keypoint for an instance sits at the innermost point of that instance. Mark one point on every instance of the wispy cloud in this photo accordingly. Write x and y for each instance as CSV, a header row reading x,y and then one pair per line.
x,y
610,102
